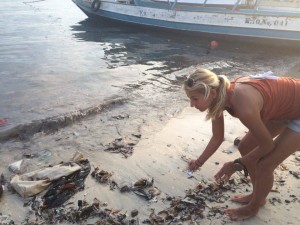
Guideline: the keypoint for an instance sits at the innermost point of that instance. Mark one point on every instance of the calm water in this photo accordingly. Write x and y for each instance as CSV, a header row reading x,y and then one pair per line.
x,y
53,60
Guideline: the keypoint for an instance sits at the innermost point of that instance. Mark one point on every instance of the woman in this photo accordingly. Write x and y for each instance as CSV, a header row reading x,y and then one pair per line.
x,y
269,107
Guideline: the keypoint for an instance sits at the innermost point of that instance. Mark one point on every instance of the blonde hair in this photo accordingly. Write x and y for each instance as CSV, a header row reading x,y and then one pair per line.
x,y
202,81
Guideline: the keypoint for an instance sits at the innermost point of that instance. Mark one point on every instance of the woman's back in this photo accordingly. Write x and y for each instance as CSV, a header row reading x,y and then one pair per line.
x,y
281,96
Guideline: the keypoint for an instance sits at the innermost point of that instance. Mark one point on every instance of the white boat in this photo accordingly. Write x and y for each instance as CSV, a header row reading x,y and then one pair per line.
x,y
272,19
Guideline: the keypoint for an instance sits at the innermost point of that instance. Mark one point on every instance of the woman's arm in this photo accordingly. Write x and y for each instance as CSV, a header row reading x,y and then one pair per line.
x,y
214,143
247,104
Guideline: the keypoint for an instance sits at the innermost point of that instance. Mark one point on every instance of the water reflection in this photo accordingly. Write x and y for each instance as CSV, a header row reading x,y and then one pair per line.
x,y
126,45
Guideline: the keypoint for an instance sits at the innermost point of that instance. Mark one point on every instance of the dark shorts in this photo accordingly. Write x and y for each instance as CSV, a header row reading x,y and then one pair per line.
x,y
294,125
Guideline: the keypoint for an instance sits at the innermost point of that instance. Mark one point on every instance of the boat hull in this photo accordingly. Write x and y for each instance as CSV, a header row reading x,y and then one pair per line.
x,y
224,23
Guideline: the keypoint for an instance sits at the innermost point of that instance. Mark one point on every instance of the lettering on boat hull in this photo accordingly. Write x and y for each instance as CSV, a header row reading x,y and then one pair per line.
x,y
267,22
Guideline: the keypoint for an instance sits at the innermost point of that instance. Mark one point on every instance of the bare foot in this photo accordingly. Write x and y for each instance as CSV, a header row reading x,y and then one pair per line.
x,y
241,213
245,199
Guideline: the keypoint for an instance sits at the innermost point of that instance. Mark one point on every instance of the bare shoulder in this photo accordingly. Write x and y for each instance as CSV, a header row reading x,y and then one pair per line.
x,y
246,99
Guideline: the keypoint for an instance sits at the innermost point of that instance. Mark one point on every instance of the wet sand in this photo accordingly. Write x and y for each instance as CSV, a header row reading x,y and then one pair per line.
x,y
162,140
159,155
294,71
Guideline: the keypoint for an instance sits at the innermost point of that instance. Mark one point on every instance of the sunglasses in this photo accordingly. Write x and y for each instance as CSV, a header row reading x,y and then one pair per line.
x,y
190,82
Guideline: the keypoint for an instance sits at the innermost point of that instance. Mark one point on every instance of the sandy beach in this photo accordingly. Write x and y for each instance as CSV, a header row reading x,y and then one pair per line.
x,y
159,155
133,145
157,144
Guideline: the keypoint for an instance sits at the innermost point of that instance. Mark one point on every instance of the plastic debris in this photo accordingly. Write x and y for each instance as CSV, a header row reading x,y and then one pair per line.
x,y
266,75
17,167
189,173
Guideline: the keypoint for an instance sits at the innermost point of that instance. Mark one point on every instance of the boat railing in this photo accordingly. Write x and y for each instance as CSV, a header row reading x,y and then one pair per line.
x,y
254,6
196,5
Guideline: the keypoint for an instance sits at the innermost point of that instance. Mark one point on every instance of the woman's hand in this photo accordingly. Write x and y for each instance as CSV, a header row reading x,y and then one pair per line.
x,y
194,165
225,172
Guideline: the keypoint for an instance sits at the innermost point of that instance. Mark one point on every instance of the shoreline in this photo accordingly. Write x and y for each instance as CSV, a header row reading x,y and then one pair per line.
x,y
161,142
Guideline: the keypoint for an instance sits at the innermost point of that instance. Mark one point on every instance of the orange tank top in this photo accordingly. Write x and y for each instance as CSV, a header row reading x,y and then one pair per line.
x,y
281,97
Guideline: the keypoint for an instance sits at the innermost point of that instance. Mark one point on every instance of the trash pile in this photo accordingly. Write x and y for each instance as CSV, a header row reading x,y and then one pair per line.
x,y
63,189
51,188
5,220
194,206
202,202
100,212
53,208
48,187
123,145
191,208
142,187
120,145
101,176
60,181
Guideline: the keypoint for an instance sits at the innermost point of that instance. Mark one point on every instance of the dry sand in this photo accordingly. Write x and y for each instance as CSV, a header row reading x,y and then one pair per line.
x,y
158,155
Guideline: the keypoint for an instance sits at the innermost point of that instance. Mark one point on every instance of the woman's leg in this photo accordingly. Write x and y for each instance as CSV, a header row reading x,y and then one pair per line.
x,y
285,144
247,144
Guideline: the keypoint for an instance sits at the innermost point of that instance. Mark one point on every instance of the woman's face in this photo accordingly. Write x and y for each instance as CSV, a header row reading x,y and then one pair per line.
x,y
198,100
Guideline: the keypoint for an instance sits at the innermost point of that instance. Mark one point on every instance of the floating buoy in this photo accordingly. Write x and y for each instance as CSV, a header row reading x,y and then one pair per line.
x,y
211,46
214,44
3,122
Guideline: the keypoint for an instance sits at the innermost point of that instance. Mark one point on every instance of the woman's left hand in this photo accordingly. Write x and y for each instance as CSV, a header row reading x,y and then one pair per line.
x,y
225,172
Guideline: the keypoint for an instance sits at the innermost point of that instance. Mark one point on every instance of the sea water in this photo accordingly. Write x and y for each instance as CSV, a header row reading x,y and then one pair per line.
x,y
55,62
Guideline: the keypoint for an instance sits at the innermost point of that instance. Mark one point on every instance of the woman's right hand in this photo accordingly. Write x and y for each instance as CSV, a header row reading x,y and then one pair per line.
x,y
193,165
225,172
